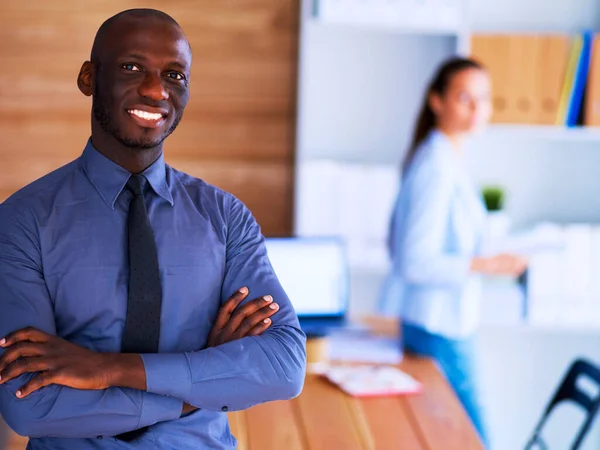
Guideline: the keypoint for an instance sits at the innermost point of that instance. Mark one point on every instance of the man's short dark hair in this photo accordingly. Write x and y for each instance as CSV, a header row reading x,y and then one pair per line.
x,y
137,13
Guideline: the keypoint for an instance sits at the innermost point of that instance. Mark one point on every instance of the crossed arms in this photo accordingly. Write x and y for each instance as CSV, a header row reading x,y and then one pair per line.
x,y
69,391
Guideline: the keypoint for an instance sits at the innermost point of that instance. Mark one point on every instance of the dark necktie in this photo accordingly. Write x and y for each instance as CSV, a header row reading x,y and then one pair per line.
x,y
142,326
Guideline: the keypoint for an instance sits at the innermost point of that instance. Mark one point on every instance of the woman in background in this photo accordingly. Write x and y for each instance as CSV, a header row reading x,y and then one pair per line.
x,y
437,229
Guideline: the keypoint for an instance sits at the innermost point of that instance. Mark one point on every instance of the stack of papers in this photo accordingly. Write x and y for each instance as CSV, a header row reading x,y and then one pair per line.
x,y
364,348
563,287
372,381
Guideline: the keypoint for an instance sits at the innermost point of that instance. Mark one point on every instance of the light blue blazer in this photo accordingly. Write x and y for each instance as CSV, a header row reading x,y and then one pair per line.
x,y
437,227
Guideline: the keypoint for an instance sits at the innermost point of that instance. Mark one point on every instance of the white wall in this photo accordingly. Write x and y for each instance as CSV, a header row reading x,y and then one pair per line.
x,y
357,105
545,180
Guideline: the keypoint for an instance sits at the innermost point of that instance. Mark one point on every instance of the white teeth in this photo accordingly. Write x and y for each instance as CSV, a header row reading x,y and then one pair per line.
x,y
145,115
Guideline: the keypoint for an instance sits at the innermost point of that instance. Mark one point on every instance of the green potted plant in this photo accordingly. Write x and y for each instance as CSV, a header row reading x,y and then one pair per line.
x,y
493,197
498,222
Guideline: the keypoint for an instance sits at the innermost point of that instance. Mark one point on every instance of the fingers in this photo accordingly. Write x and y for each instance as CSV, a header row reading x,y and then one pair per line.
x,y
259,329
24,365
19,350
230,305
244,311
260,319
24,334
37,382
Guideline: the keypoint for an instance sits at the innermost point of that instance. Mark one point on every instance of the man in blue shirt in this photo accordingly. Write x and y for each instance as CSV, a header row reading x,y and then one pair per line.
x,y
78,251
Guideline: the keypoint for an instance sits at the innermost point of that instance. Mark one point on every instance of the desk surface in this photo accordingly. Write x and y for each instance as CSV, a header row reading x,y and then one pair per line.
x,y
324,418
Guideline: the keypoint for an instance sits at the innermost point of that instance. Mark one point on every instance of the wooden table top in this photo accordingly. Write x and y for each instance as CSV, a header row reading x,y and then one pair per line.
x,y
325,418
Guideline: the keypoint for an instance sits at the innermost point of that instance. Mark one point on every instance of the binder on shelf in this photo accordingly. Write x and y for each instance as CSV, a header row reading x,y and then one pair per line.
x,y
592,102
553,58
565,96
523,63
493,51
542,79
580,80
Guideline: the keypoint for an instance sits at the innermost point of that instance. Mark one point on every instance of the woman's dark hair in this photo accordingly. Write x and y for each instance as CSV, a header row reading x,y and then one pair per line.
x,y
439,84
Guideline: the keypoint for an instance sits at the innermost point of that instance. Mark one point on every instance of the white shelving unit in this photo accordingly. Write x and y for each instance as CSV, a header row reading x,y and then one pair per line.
x,y
387,29
360,88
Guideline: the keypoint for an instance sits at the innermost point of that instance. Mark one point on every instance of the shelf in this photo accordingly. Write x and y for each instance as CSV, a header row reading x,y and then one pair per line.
x,y
384,28
544,132
523,326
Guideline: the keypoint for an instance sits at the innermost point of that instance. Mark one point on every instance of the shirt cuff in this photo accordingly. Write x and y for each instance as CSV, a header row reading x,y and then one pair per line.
x,y
168,374
159,409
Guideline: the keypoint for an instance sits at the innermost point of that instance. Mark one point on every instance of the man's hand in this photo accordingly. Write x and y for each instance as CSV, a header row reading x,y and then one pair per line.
x,y
59,362
233,323
251,319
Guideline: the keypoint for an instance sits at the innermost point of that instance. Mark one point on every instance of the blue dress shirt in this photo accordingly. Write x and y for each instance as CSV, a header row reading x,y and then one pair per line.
x,y
63,269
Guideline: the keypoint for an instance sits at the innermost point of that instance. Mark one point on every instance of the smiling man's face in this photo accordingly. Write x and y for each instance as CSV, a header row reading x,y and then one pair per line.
x,y
141,83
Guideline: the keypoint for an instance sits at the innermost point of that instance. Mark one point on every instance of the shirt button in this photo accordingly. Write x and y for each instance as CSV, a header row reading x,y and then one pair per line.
x,y
224,408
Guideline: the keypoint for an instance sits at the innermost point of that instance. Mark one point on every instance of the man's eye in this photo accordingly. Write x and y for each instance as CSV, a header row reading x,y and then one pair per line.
x,y
132,67
176,76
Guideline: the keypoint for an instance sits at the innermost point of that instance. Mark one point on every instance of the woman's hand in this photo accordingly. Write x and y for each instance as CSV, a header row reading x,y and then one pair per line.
x,y
503,264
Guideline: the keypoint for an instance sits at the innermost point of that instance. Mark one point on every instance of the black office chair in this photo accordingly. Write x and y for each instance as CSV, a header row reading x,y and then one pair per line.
x,y
568,391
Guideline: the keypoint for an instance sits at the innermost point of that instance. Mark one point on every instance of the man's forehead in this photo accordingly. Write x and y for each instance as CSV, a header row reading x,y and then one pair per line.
x,y
150,38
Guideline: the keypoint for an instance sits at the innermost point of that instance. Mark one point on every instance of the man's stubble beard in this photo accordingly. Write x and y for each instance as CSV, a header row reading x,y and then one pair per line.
x,y
101,107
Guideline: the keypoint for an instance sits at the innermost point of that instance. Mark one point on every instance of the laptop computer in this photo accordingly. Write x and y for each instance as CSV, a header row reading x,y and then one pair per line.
x,y
314,273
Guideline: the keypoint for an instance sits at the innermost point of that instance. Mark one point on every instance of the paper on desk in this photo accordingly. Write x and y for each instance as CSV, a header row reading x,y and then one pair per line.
x,y
372,381
363,347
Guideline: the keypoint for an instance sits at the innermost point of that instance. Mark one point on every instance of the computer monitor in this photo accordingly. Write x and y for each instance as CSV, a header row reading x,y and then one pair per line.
x,y
314,274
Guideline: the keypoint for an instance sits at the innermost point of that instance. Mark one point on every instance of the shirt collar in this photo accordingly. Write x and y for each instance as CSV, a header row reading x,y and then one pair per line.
x,y
437,138
109,178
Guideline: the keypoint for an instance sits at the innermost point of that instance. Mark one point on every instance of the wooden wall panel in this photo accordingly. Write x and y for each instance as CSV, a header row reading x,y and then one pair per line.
x,y
263,186
238,129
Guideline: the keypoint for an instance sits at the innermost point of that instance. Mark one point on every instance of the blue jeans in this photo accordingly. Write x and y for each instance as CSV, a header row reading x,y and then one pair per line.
x,y
456,360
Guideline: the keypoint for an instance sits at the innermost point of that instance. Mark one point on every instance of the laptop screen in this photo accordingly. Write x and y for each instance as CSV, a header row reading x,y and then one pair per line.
x,y
313,272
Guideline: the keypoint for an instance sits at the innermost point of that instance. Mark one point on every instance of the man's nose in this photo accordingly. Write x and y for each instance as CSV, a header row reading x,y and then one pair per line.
x,y
153,87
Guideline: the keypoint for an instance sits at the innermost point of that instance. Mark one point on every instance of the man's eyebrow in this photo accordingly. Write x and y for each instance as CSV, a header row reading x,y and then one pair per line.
x,y
136,56
177,64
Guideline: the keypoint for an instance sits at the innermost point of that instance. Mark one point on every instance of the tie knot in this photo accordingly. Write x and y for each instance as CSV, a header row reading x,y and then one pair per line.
x,y
136,184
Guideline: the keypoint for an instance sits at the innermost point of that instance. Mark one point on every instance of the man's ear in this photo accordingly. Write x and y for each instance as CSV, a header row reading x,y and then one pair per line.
x,y
85,79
